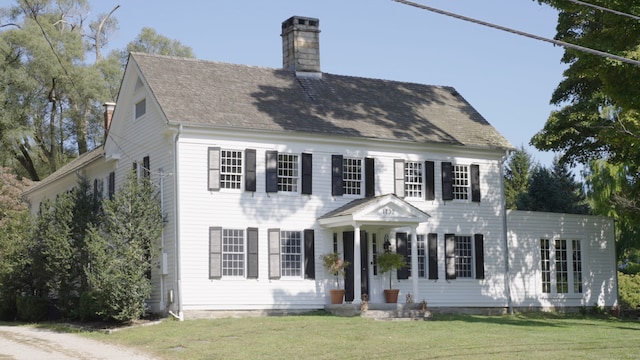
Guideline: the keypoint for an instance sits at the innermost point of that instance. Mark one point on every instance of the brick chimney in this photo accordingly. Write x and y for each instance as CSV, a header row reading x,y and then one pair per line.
x,y
301,46
108,114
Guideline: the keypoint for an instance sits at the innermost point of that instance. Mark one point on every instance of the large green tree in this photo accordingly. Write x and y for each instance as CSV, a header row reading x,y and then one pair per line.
x,y
15,225
54,79
599,100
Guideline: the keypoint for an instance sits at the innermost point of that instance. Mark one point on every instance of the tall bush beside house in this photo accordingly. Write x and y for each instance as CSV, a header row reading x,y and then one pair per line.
x,y
121,251
336,266
15,233
387,262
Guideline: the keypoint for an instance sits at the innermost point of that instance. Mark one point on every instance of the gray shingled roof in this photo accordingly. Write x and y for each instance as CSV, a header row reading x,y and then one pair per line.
x,y
238,96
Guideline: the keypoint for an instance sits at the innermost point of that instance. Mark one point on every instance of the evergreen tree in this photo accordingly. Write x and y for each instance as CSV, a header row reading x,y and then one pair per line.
x,y
517,173
121,251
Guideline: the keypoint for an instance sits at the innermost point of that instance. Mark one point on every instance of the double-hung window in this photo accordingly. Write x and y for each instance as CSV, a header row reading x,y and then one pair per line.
x,y
460,182
288,172
422,256
231,169
464,256
561,266
233,250
351,176
413,179
291,253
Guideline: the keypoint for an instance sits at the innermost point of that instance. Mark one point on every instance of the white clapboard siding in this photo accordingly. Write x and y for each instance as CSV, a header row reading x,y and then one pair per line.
x,y
201,209
598,258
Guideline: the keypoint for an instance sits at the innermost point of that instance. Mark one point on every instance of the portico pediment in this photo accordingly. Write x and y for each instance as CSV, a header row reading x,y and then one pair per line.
x,y
380,210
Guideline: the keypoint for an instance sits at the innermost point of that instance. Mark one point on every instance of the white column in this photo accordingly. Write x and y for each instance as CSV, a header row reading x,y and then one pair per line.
x,y
414,263
357,266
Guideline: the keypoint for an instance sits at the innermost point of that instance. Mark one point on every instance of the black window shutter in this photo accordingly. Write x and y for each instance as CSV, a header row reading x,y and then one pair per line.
x,y
214,168
432,240
134,167
215,252
250,170
274,253
146,167
398,177
479,249
430,188
252,253
475,183
112,184
450,256
447,181
336,175
271,165
307,173
403,249
369,177
309,254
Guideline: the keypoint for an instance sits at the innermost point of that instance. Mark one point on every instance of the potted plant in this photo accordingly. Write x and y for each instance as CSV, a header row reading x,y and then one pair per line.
x,y
336,266
387,262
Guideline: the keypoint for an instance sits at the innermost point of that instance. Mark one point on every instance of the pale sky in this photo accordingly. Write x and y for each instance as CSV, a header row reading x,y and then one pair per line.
x,y
509,79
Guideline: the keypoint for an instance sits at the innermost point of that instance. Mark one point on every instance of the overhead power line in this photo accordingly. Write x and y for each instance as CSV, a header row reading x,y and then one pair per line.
x,y
522,33
606,9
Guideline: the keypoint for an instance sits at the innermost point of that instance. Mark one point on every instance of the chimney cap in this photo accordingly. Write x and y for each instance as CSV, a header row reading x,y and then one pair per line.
x,y
301,22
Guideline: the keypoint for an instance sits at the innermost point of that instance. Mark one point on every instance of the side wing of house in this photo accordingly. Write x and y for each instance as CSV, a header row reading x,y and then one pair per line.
x,y
561,260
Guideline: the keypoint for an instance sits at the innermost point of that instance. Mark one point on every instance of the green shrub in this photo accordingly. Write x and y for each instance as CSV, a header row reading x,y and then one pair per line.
x,y
32,308
90,306
629,290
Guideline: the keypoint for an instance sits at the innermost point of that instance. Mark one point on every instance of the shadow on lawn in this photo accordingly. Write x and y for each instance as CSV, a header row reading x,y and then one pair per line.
x,y
539,320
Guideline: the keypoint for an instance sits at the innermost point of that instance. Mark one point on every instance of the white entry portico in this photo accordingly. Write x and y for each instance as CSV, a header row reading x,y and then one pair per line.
x,y
385,211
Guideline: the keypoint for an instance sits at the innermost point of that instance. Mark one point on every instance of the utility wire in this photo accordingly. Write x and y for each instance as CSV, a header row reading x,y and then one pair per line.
x,y
522,33
605,9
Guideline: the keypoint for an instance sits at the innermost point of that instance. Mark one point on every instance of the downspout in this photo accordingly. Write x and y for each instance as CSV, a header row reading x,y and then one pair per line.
x,y
176,213
507,269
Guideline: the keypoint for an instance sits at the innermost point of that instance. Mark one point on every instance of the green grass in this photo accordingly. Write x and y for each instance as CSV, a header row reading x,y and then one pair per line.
x,y
530,336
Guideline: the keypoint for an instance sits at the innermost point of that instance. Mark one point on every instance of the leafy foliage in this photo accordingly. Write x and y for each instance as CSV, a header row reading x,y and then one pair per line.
x,y
121,250
15,222
389,261
629,290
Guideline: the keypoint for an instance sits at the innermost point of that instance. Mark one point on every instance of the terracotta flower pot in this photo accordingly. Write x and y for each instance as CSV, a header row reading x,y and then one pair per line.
x,y
337,295
391,295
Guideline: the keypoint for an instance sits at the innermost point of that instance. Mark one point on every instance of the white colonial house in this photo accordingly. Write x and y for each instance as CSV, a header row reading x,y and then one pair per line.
x,y
261,171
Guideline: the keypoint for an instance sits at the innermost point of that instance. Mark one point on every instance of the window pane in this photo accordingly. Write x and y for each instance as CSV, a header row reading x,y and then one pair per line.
x,y
287,172
291,253
230,169
232,252
562,273
577,266
460,182
141,108
351,176
545,265
413,179
464,257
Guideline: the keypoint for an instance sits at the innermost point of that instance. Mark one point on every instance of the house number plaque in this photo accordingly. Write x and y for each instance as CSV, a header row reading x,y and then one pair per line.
x,y
387,211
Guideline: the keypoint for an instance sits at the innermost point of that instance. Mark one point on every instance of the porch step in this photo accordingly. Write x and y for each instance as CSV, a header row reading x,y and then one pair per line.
x,y
381,311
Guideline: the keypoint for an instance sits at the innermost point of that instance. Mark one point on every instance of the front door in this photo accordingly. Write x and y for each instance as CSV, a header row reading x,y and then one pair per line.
x,y
349,255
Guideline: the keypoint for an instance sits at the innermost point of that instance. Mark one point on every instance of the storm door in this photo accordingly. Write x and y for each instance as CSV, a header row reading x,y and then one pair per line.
x,y
349,253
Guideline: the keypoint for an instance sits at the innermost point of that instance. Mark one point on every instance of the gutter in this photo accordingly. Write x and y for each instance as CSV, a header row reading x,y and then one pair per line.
x,y
507,269
176,214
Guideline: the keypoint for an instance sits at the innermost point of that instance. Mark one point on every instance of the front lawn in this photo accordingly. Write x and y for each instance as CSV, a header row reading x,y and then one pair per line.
x,y
530,336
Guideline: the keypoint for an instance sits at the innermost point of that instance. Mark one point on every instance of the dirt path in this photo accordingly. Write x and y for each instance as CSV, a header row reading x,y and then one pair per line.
x,y
23,342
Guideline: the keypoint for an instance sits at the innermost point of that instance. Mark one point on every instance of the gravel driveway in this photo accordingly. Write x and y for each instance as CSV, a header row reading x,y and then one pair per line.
x,y
23,342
